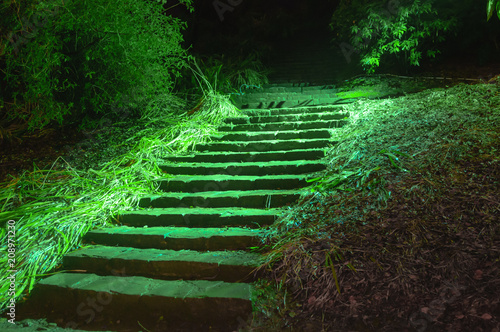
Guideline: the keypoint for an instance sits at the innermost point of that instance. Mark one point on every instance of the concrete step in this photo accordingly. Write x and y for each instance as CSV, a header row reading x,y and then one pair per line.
x,y
228,266
263,96
290,87
274,135
325,101
198,217
220,182
244,157
292,125
245,168
296,110
177,238
310,116
122,302
264,145
256,199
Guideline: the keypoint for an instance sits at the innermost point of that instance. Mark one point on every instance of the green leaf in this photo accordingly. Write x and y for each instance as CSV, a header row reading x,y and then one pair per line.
x,y
334,274
490,9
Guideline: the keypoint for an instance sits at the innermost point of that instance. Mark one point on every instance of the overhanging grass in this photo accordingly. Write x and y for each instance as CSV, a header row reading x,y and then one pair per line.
x,y
54,208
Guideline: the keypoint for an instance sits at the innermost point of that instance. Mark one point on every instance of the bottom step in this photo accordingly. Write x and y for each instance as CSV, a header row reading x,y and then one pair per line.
x,y
123,303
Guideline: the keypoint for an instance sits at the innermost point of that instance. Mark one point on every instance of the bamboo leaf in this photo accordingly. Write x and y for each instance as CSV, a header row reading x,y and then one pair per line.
x,y
334,274
490,9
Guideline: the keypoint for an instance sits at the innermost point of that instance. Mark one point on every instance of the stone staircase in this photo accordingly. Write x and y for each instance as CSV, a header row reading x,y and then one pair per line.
x,y
183,263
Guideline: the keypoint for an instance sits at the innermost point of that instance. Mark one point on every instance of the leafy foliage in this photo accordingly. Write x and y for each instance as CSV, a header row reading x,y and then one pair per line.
x,y
85,57
493,5
54,208
403,30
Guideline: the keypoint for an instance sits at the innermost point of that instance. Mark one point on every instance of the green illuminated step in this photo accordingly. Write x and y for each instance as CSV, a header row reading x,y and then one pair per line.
x,y
198,217
264,96
229,266
295,110
220,182
263,145
326,100
244,168
315,102
274,126
286,117
248,156
177,238
274,135
134,303
292,88
279,97
256,199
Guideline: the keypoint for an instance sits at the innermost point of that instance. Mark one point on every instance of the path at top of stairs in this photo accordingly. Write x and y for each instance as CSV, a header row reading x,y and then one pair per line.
x,y
182,260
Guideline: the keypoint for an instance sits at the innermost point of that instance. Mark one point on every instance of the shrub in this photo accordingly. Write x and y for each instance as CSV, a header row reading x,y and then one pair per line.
x,y
401,29
493,5
86,57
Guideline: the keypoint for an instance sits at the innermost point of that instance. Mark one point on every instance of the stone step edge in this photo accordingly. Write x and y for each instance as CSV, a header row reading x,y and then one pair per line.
x,y
198,217
177,238
292,110
227,177
224,194
203,211
166,264
277,119
66,295
270,141
234,153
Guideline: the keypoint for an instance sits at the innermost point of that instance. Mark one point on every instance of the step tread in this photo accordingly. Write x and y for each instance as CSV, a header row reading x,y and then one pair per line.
x,y
227,193
148,287
243,153
226,177
219,257
287,122
222,212
265,118
246,163
275,141
263,132
180,232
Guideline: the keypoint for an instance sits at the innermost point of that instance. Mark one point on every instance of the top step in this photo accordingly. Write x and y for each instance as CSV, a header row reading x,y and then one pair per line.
x,y
288,87
338,108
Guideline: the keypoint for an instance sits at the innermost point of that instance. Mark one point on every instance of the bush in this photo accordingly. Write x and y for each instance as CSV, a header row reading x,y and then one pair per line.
x,y
401,29
226,74
86,57
493,6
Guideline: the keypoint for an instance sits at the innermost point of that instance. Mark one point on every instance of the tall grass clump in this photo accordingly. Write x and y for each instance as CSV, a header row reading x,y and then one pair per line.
x,y
54,208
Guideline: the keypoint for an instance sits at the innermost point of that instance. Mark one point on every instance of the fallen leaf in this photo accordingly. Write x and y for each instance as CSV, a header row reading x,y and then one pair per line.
x,y
486,316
